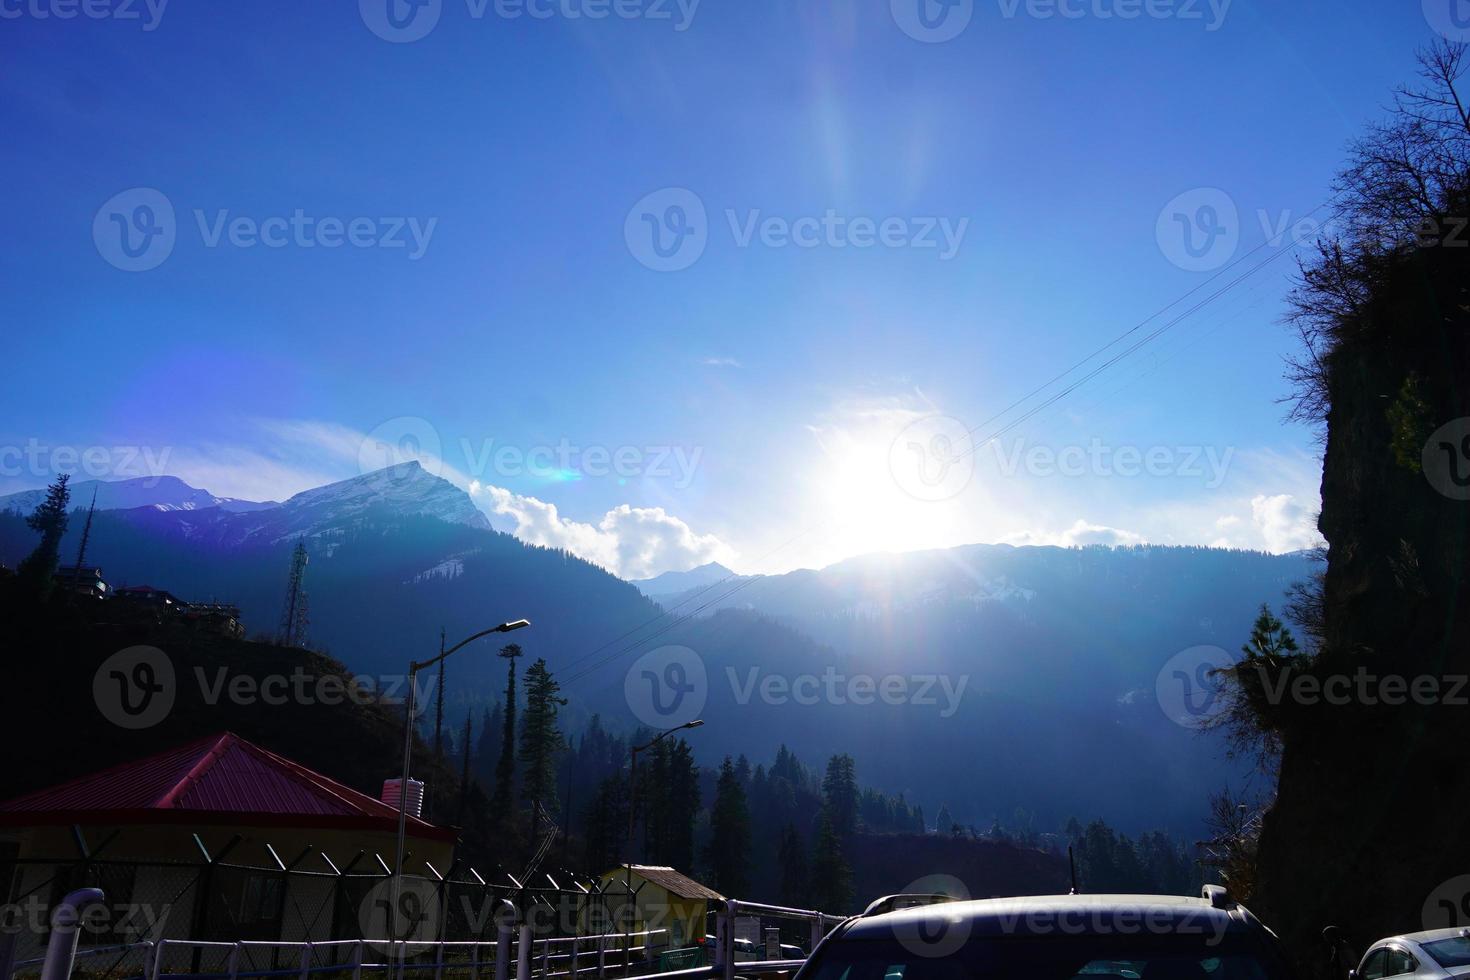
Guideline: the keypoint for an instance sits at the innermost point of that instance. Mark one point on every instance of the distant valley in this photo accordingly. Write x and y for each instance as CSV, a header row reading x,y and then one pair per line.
x,y
1040,663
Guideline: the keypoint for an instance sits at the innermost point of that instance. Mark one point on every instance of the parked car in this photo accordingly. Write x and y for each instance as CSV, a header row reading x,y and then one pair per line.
x,y
1439,953
1061,937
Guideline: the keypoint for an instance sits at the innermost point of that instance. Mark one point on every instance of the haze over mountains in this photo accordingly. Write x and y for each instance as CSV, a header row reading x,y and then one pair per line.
x,y
161,492
1028,672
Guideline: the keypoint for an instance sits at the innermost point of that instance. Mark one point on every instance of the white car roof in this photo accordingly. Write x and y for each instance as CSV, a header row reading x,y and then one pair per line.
x,y
1429,936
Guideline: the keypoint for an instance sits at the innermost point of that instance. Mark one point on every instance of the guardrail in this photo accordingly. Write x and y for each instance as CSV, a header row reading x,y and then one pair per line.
x,y
547,959
604,956
725,964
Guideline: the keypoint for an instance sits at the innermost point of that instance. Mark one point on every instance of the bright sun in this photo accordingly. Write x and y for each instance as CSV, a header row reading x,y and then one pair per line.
x,y
860,493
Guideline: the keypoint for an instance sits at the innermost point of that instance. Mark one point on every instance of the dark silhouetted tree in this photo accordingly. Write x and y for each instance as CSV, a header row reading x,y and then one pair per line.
x,y
541,740
795,883
49,519
728,852
840,792
831,878
505,769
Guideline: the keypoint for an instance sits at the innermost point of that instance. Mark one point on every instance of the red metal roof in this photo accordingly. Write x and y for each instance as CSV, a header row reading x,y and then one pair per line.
x,y
221,778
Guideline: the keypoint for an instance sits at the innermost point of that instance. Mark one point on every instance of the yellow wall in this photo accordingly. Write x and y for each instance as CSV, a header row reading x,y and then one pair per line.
x,y
655,908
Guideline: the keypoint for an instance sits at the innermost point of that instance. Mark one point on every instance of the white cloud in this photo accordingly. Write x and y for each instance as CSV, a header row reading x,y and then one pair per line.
x,y
1083,533
1284,524
721,362
1080,534
631,542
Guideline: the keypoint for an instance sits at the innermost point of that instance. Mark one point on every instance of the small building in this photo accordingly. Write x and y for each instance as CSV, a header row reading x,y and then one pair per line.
x,y
84,580
216,839
147,595
662,899
219,618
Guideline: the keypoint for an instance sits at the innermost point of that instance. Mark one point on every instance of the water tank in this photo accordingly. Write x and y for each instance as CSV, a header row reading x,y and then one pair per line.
x,y
415,805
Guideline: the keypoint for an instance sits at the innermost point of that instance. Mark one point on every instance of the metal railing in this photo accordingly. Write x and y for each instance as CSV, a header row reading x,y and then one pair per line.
x,y
725,962
513,953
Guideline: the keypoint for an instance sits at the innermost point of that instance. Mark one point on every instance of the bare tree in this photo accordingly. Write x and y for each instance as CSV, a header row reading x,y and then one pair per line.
x,y
1403,186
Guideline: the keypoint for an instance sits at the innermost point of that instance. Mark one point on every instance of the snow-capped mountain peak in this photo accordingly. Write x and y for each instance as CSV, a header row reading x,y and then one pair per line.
x,y
406,488
158,492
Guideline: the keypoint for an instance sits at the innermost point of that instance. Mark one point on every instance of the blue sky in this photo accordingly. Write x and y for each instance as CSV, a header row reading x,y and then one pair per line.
x,y
495,174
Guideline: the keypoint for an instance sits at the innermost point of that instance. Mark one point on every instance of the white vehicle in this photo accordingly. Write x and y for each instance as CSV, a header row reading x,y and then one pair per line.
x,y
1438,954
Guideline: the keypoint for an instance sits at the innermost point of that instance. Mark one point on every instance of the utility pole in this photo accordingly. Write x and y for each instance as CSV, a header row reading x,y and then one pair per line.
x,y
464,772
439,704
294,616
76,572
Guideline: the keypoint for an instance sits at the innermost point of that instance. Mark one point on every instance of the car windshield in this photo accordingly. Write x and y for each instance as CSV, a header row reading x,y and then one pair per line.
x,y
1454,951
1052,958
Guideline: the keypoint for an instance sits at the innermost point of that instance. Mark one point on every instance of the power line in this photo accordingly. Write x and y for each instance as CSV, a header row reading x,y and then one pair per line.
x,y
1118,357
749,580
1138,326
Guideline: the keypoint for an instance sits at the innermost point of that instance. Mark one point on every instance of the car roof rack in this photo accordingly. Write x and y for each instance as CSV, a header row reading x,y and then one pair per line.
x,y
1217,896
905,900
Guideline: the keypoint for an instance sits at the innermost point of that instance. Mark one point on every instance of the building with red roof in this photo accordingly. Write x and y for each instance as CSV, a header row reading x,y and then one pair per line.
x,y
219,814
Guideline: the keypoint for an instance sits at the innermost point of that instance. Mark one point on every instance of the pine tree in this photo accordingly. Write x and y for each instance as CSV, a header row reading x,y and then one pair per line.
x,y
541,740
605,820
792,858
831,885
487,747
944,823
49,519
684,800
505,769
1270,639
467,753
840,793
728,853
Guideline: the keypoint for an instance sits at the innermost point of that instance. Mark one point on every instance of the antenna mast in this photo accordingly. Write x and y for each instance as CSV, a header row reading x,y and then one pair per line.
x,y
293,616
76,572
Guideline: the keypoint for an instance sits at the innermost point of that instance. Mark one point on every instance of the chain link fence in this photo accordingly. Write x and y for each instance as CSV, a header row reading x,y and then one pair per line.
x,y
240,919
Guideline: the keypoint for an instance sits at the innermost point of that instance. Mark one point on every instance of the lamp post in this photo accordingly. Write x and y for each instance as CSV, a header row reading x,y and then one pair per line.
x,y
413,669
633,779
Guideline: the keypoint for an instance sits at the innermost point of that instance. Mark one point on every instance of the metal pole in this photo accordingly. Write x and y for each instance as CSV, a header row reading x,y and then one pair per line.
x,y
61,950
502,952
727,941
523,953
396,891
158,958
9,944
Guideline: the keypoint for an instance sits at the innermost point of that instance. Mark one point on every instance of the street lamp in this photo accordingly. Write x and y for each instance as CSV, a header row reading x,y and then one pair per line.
x,y
633,778
413,669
